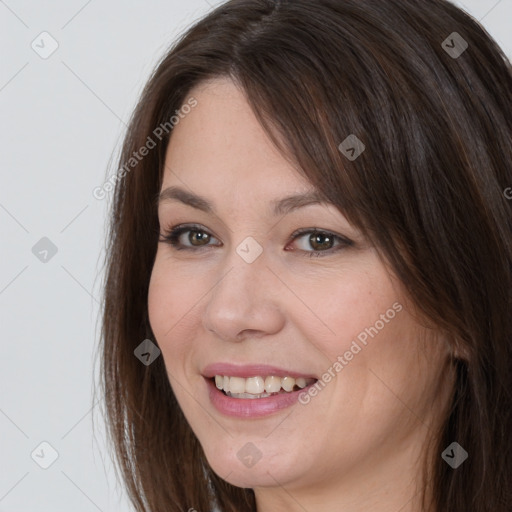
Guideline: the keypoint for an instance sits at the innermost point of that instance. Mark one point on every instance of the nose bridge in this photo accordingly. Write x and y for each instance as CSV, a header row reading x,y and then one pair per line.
x,y
243,298
244,278
246,269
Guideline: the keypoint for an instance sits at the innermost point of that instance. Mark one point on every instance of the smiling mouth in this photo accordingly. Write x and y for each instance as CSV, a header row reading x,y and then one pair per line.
x,y
259,386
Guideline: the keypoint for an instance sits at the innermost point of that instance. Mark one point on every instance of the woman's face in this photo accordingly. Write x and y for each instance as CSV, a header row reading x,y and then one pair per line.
x,y
244,292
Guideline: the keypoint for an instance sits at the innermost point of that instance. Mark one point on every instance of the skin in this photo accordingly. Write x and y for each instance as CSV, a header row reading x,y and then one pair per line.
x,y
358,444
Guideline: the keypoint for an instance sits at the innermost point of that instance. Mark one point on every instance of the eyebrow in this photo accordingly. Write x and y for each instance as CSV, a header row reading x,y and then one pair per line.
x,y
279,206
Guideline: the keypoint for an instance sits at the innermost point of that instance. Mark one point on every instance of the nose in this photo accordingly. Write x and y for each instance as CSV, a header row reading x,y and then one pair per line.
x,y
245,302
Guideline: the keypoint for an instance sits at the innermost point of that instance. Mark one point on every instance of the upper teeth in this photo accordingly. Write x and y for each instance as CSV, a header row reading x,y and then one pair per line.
x,y
258,385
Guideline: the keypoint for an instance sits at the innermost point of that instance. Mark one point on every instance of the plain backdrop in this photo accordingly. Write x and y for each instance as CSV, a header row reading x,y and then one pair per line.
x,y
62,117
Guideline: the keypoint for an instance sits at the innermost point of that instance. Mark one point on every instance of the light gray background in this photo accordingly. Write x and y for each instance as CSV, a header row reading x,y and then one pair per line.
x,y
62,119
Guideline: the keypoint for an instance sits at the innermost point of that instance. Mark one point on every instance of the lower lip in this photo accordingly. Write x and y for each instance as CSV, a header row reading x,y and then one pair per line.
x,y
251,407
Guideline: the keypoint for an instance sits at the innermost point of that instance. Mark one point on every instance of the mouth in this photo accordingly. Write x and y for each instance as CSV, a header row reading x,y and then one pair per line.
x,y
254,391
259,386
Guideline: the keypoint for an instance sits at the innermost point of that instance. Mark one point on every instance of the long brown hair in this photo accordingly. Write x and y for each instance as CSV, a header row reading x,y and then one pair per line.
x,y
429,93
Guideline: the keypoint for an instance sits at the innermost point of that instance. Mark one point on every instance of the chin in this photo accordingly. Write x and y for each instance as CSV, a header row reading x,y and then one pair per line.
x,y
248,467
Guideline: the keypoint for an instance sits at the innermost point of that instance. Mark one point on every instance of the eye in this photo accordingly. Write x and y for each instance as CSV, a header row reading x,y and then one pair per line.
x,y
198,237
321,241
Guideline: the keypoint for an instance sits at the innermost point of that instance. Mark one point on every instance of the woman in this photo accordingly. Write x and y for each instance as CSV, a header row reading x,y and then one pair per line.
x,y
375,136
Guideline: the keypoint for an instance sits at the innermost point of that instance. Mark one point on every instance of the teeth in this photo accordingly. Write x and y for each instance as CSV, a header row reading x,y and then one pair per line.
x,y
247,395
272,384
288,383
254,385
258,387
237,385
301,382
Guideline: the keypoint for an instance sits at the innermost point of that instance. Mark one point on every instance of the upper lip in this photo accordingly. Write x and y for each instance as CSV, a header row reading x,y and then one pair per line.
x,y
251,370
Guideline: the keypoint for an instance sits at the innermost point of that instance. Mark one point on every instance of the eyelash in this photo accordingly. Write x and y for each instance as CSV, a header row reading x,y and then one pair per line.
x,y
173,234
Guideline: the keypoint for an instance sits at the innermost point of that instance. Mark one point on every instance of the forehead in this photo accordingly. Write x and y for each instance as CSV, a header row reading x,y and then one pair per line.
x,y
219,147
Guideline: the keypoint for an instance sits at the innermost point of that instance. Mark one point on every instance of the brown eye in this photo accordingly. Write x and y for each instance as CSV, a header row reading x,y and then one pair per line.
x,y
201,237
323,243
197,237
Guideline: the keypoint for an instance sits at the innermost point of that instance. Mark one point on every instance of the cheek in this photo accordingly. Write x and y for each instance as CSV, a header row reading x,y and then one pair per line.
x,y
167,308
168,303
359,303
160,303
172,293
175,297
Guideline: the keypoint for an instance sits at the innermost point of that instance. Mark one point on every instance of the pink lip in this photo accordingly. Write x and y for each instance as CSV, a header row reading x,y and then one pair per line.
x,y
250,407
251,370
